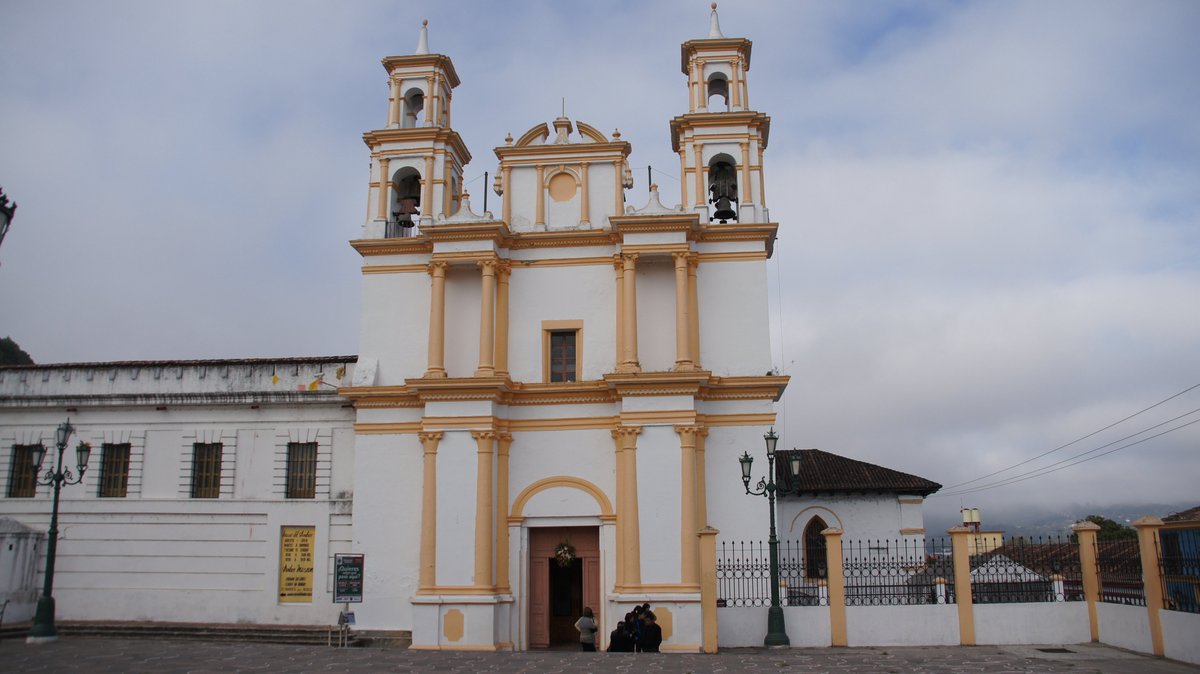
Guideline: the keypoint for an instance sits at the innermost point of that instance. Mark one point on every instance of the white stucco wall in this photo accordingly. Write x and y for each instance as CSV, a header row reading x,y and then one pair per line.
x,y
1124,626
745,627
553,294
1179,636
734,339
930,625
1032,623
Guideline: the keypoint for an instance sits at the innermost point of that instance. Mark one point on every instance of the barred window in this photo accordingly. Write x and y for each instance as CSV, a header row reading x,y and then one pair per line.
x,y
206,470
22,479
562,355
114,470
302,470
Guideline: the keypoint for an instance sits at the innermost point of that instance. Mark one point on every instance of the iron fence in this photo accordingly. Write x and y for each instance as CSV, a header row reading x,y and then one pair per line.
x,y
1120,567
1024,569
897,572
744,576
1179,568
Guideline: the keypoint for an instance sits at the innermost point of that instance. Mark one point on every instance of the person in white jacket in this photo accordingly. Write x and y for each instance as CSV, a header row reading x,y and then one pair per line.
x,y
587,630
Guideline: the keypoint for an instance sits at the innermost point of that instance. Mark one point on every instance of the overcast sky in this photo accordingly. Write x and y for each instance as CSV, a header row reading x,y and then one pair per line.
x,y
989,212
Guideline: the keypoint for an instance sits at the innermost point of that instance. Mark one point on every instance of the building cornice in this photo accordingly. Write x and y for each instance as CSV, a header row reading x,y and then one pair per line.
x,y
438,61
722,44
699,120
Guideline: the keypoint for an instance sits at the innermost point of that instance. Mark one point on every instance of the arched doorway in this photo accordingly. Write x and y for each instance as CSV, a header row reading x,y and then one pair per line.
x,y
558,590
814,548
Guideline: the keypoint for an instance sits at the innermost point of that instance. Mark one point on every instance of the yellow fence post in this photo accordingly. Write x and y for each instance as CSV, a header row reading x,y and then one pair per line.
x,y
962,584
1147,528
708,589
1088,568
837,586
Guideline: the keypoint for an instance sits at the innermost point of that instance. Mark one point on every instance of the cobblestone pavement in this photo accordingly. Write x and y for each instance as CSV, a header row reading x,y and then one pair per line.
x,y
95,655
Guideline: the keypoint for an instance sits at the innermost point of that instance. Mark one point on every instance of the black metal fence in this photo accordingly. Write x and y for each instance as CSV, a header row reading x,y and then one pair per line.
x,y
744,576
897,572
1024,569
1179,568
1120,568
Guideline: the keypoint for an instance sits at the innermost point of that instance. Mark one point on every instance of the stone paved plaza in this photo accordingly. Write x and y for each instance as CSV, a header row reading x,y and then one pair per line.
x,y
94,655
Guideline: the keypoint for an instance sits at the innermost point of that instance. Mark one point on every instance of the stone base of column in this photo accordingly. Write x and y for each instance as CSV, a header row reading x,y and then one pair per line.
x,y
485,372
685,366
462,623
435,374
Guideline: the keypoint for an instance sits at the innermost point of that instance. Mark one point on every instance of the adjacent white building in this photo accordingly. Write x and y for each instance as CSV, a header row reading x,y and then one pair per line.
x,y
542,400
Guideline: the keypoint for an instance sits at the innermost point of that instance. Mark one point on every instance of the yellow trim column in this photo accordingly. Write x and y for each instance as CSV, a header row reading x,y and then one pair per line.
x,y
619,454
428,571
746,199
698,151
708,589
503,445
506,185
446,188
694,309
689,569
539,217
394,102
701,480
629,358
487,320
430,102
1147,528
484,520
619,266
837,586
735,87
384,185
427,189
1090,570
584,218
437,320
683,323
619,172
762,177
503,271
683,197
627,513
960,549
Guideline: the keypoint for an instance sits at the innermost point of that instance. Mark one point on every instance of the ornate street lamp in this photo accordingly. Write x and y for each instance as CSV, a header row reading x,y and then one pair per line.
x,y
776,632
56,476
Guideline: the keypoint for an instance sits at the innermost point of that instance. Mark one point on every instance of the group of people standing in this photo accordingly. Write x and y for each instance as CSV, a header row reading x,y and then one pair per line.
x,y
637,633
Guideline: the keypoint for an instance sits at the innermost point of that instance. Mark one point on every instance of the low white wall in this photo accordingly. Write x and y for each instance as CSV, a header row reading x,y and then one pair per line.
x,y
1030,623
1124,626
1179,636
807,626
931,625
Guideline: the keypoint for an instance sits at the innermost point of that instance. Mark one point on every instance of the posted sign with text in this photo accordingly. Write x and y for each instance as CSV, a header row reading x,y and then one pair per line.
x,y
347,578
296,564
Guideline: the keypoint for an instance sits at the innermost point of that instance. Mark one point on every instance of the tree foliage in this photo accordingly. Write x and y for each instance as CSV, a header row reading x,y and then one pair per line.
x,y
1110,530
12,354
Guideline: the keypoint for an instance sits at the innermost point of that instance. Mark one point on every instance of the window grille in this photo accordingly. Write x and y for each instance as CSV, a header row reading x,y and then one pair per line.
x,y
114,470
562,356
302,470
206,470
22,479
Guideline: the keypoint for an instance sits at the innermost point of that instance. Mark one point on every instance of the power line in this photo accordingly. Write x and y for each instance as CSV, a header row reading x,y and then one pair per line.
x,y
1077,440
1076,463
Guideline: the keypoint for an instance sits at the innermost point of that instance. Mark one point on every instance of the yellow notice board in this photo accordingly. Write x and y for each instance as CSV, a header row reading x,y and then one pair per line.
x,y
296,564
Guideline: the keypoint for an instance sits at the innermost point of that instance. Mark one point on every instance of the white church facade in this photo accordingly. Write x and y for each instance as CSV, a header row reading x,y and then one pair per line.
x,y
571,377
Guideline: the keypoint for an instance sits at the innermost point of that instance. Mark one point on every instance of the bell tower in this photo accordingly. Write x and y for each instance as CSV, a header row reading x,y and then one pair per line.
x,y
720,140
417,159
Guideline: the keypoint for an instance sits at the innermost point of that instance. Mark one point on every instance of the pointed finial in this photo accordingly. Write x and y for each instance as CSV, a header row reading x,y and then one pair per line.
x,y
714,26
508,140
423,40
616,134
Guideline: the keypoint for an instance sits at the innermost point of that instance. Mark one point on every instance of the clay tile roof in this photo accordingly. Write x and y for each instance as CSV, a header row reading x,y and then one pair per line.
x,y
1184,515
825,473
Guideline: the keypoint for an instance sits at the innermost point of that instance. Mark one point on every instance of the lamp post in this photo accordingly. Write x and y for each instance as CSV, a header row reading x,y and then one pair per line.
x,y
6,214
56,476
776,632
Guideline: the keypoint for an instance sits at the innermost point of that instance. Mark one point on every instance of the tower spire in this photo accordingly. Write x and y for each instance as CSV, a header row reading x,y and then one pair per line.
x,y
714,26
423,40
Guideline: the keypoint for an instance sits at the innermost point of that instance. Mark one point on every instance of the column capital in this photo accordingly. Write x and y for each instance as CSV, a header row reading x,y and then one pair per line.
x,y
430,440
488,266
629,259
693,262
503,269
437,268
682,255
690,433
618,263
626,431
483,435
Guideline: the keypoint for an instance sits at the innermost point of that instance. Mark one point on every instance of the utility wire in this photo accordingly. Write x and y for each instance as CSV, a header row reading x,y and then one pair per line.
x,y
1077,440
1090,458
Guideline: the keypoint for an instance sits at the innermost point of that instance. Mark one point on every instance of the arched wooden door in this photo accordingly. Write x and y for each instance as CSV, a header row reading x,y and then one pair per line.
x,y
558,593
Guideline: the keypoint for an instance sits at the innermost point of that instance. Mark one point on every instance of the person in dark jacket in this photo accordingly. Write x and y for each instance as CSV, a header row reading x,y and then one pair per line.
x,y
620,640
651,633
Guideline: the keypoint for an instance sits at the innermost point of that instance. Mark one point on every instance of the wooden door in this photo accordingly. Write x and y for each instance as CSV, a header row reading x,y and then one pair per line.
x,y
585,582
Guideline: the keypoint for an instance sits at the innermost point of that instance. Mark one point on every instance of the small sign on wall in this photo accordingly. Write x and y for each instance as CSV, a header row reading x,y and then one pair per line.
x,y
347,579
296,546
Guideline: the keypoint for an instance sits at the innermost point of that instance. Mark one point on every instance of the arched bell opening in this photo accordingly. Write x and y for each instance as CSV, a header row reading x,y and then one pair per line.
x,y
814,548
414,107
718,87
405,202
723,188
